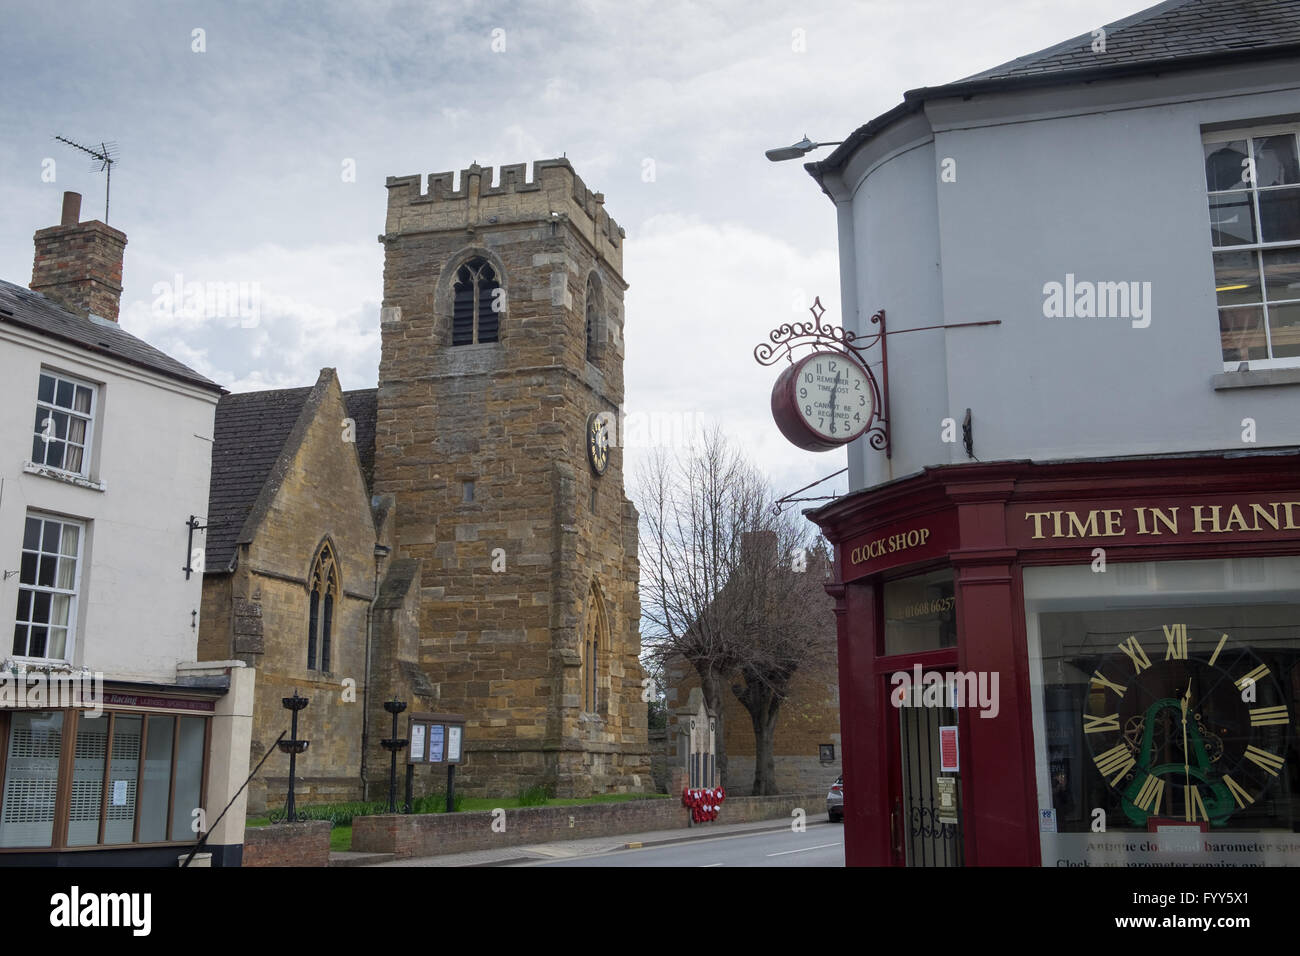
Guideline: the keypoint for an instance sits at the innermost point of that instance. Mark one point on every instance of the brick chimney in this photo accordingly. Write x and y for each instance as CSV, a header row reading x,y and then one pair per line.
x,y
79,264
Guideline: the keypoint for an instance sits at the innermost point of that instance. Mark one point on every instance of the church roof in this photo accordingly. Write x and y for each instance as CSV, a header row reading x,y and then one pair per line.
x,y
1176,35
255,437
32,310
249,437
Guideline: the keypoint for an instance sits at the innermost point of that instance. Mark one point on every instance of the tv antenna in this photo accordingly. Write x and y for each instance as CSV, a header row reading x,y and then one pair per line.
x,y
104,157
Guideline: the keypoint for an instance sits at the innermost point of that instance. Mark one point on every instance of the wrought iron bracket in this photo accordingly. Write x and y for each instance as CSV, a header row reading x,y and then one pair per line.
x,y
788,339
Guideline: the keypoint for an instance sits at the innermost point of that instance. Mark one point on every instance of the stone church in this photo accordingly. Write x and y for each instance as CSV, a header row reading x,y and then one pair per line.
x,y
458,537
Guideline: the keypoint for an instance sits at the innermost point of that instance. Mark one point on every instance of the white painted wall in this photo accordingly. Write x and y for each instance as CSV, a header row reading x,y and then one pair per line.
x,y
1106,182
153,452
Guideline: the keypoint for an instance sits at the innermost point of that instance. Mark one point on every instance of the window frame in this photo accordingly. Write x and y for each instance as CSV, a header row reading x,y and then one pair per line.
x,y
476,264
1252,190
88,447
324,593
63,787
74,617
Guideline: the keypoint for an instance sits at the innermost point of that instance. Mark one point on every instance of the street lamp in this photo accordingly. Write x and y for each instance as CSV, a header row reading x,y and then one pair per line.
x,y
801,148
293,746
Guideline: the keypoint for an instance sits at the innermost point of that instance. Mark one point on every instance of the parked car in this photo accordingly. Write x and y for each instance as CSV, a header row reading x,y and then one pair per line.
x,y
835,801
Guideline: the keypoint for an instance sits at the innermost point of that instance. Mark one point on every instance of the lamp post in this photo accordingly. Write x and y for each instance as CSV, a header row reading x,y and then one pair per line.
x,y
801,148
293,746
393,745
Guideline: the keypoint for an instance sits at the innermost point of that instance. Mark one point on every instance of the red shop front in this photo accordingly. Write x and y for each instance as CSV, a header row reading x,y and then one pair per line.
x,y
1072,664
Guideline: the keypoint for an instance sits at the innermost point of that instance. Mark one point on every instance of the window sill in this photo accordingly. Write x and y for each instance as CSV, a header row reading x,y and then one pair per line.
x,y
1256,378
44,471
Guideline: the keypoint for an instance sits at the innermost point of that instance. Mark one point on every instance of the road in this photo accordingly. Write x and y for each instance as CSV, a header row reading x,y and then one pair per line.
x,y
819,845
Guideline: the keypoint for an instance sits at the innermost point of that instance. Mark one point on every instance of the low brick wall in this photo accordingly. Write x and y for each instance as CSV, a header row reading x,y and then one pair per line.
x,y
288,844
431,834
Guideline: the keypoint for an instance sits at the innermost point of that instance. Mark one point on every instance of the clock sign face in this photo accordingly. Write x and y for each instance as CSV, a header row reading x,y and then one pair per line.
x,y
598,442
1185,724
823,401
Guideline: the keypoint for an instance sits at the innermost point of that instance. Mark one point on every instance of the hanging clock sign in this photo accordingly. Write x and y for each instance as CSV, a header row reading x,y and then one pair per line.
x,y
823,401
827,396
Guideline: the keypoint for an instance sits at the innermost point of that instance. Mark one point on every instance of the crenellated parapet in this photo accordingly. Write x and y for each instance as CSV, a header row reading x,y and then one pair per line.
x,y
476,201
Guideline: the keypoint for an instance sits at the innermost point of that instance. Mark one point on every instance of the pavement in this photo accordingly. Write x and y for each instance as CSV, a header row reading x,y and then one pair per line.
x,y
574,849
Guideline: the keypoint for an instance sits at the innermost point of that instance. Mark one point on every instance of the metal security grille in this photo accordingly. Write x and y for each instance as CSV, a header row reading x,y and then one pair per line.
x,y
929,842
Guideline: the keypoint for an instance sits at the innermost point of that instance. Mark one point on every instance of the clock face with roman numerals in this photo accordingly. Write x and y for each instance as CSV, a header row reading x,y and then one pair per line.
x,y
1185,724
598,442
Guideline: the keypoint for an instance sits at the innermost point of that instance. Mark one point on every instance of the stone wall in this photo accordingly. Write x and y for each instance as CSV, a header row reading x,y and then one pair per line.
x,y
288,844
431,834
483,447
260,612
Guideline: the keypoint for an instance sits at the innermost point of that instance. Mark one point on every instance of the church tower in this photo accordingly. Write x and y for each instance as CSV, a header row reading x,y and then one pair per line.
x,y
501,376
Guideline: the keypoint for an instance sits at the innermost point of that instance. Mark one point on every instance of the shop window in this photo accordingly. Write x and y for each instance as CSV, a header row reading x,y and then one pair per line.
x,y
155,782
1253,181
87,780
1167,707
123,778
920,613
33,748
113,797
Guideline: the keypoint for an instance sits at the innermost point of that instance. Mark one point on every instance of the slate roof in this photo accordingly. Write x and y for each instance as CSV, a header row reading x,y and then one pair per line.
x,y
252,430
1178,34
1173,30
250,433
32,310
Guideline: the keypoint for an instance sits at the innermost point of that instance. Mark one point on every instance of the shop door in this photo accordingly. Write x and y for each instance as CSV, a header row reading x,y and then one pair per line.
x,y
921,837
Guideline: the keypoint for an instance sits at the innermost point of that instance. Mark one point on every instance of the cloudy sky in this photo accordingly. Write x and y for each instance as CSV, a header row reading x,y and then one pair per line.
x,y
234,159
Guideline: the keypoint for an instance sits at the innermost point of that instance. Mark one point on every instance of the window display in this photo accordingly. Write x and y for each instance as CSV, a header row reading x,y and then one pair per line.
x,y
1165,704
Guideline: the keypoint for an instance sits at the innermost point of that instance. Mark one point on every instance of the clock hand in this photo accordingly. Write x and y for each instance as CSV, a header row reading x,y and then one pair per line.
x,y
835,390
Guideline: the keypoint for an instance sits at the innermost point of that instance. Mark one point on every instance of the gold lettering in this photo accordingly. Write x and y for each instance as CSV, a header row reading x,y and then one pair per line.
x,y
1176,638
1199,520
1113,529
1170,521
1133,648
1085,531
1215,656
1142,521
1234,514
1290,518
1258,512
1038,517
1117,688
1238,792
1056,524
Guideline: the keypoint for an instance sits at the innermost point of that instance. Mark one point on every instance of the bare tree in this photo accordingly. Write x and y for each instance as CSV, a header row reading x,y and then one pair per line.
x,y
791,629
721,587
694,512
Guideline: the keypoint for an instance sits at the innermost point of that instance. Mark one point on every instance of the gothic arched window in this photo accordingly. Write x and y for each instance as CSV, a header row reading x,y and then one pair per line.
x,y
595,649
477,304
593,318
324,584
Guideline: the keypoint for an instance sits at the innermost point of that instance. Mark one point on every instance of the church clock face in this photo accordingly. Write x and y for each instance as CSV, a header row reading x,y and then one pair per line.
x,y
1195,735
598,442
